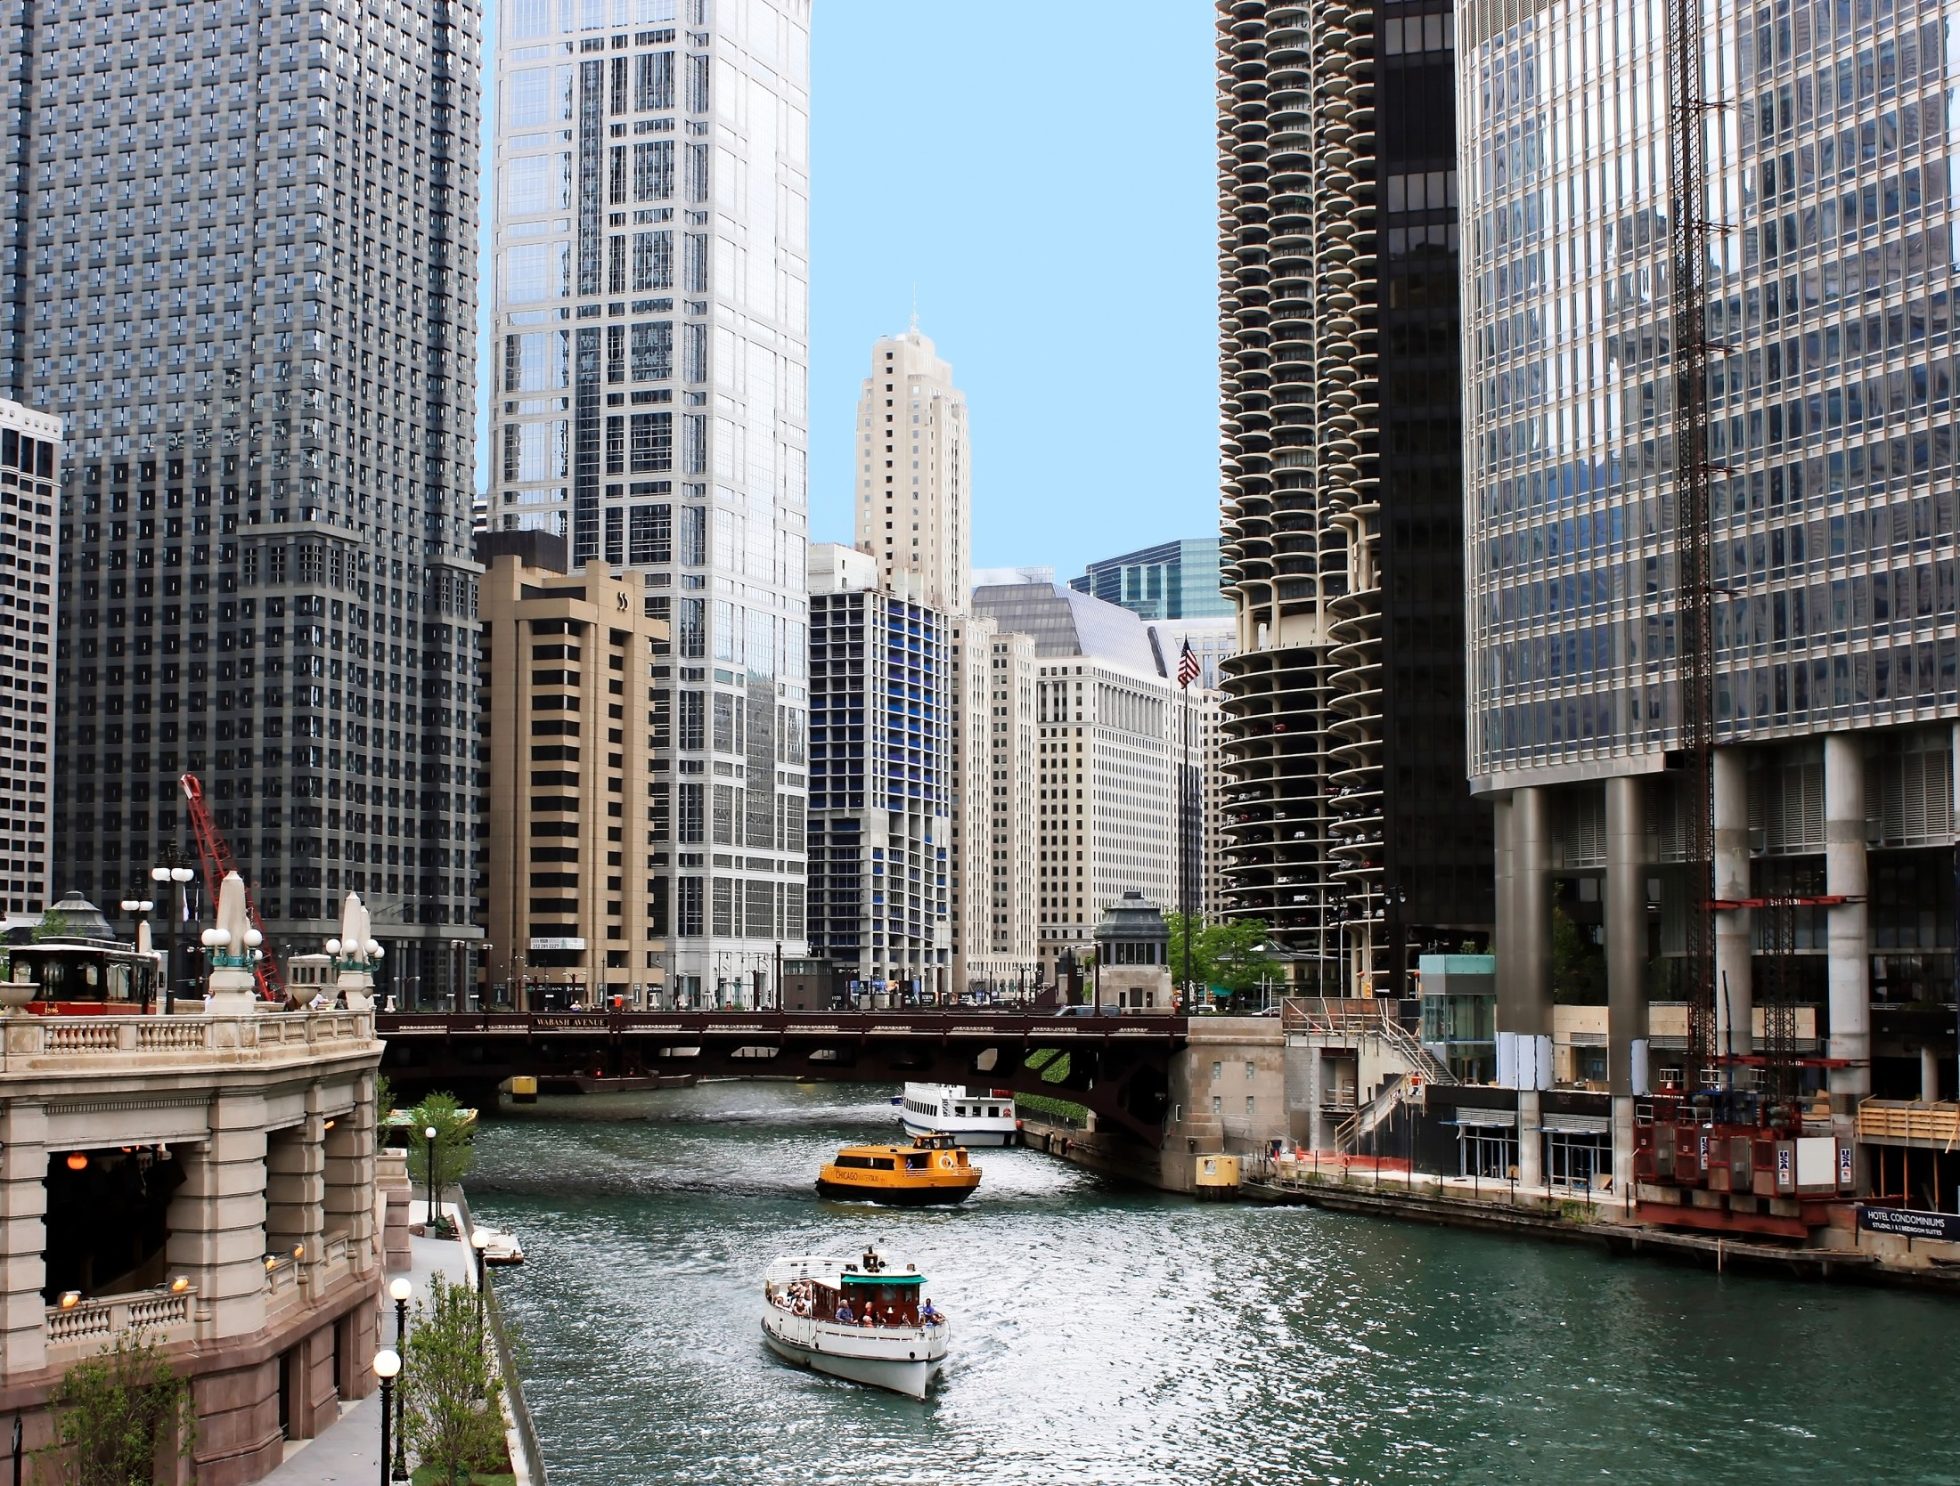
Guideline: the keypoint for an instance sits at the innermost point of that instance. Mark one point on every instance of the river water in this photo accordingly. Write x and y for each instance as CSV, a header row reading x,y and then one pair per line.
x,y
1104,1334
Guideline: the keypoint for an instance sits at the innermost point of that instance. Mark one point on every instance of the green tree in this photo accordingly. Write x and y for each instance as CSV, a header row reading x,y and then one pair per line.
x,y
451,1400
453,1127
1232,953
53,925
116,1410
384,1102
1578,966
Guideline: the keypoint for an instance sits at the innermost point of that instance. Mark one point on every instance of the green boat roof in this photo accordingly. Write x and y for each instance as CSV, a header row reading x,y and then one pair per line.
x,y
857,1277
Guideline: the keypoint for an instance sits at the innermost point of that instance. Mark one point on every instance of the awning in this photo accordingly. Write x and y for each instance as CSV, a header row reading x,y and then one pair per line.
x,y
1497,1119
1576,1124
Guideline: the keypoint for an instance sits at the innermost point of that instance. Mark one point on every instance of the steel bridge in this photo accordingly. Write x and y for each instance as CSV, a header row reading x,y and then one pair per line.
x,y
1118,1066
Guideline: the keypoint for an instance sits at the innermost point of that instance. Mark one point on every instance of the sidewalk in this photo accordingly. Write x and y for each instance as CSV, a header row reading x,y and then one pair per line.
x,y
348,1452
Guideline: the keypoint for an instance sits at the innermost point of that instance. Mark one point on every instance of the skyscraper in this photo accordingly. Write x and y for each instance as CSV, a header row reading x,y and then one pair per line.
x,y
880,786
30,459
915,471
1348,820
1173,580
239,263
652,356
1831,484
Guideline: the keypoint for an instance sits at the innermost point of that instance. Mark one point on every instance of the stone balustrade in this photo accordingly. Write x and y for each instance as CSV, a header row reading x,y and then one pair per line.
x,y
93,1325
32,1044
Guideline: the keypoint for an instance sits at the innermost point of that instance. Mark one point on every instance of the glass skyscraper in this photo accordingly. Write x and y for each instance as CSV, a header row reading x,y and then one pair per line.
x,y
1173,580
238,261
651,249
1831,276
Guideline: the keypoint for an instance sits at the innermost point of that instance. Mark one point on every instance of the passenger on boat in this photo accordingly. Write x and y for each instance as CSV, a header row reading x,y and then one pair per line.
x,y
930,1315
844,1316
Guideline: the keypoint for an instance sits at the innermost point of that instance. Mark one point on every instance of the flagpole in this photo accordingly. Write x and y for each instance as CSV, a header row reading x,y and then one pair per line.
x,y
1184,828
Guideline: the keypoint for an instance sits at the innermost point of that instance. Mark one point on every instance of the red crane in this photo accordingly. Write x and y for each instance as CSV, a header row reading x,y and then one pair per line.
x,y
216,856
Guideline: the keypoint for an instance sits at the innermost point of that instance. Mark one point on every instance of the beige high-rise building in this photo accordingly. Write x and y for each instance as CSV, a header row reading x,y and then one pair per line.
x,y
915,472
571,716
994,817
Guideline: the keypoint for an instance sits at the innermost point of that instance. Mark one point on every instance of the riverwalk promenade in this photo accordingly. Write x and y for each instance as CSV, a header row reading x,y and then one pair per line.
x,y
348,1451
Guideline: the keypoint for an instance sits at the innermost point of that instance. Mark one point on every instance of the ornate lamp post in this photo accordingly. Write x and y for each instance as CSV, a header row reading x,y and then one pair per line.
x,y
387,1364
479,1241
399,1289
140,909
172,871
429,1134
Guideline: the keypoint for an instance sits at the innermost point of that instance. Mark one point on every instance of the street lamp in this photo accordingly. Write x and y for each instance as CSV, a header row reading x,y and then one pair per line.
x,y
387,1363
140,909
479,1241
399,1289
456,969
429,1134
172,871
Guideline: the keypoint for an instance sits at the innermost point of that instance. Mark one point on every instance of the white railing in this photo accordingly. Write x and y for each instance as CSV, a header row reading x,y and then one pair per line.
x,y
91,1324
34,1044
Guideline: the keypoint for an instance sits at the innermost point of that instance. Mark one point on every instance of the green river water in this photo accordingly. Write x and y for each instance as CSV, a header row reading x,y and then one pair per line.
x,y
1106,1334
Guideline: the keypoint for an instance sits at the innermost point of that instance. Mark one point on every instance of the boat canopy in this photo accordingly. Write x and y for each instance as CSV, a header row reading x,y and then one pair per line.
x,y
854,1277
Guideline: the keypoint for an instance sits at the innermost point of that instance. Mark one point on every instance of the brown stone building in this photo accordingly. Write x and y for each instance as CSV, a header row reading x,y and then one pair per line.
x,y
576,830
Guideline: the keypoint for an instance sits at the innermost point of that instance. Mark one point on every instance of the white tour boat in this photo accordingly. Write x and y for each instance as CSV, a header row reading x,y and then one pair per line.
x,y
866,1319
973,1116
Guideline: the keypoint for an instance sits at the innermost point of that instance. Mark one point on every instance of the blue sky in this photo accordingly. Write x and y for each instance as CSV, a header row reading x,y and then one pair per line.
x,y
1045,176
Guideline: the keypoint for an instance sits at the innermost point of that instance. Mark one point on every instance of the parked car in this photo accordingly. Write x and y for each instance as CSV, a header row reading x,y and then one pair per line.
x,y
1090,1010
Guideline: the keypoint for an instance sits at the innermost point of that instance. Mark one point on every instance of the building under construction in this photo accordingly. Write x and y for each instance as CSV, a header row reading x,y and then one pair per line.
x,y
1709,280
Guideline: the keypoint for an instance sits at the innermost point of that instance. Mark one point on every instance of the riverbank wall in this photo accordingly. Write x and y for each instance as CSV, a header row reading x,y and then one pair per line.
x,y
1388,1189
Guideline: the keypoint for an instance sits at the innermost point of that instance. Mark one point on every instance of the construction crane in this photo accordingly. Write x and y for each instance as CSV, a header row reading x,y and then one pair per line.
x,y
215,853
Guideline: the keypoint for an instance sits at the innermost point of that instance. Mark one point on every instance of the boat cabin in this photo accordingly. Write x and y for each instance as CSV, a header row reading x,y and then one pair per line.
x,y
892,1299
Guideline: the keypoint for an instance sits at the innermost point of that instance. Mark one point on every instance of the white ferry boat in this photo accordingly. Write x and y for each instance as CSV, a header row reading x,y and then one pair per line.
x,y
867,1319
972,1116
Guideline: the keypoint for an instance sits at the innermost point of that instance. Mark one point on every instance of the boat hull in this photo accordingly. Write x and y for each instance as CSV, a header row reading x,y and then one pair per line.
x,y
910,1376
896,1196
968,1133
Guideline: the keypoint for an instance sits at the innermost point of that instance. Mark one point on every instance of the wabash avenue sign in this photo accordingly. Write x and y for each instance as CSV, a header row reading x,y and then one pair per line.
x,y
1909,1222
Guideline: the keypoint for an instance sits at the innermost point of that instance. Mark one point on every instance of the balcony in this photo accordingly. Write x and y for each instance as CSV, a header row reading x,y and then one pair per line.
x,y
87,1327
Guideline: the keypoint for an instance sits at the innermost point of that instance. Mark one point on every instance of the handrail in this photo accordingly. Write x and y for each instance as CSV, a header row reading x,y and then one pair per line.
x,y
519,1409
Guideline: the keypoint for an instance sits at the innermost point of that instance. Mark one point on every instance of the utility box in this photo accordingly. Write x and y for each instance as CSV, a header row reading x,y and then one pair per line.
x,y
1215,1178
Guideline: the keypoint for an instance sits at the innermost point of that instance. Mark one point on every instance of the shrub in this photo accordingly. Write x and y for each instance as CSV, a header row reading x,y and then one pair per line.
x,y
451,1401
116,1409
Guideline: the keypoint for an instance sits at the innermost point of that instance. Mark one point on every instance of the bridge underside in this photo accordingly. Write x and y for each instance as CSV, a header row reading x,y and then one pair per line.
x,y
1122,1077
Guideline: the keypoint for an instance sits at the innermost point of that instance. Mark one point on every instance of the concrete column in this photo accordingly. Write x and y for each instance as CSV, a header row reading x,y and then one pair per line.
x,y
1503,930
1626,964
1531,1140
1929,1076
1848,938
1735,1000
23,1237
217,1220
1531,981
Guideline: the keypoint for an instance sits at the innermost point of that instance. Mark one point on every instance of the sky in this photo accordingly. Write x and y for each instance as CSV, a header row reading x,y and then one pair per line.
x,y
1044,179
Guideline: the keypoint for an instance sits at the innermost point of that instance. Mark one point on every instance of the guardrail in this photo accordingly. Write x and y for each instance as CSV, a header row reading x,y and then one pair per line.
x,y
36,1044
1910,1119
90,1325
520,1411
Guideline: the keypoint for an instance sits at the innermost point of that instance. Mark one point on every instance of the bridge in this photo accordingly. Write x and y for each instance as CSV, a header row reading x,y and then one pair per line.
x,y
1118,1066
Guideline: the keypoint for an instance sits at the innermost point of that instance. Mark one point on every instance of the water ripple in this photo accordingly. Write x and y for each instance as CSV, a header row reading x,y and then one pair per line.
x,y
1106,1335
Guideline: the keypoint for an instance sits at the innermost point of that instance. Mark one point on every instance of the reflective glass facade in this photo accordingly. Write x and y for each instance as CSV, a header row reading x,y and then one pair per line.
x,y
651,247
240,258
1831,380
1174,580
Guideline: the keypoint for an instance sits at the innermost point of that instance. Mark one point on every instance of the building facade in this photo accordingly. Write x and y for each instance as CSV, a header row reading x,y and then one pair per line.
x,y
252,303
30,482
915,471
1173,580
880,788
1828,407
1108,738
994,819
209,1181
1350,832
651,243
569,816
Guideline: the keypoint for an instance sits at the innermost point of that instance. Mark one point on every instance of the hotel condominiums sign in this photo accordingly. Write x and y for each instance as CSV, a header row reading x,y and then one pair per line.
x,y
1909,1222
558,944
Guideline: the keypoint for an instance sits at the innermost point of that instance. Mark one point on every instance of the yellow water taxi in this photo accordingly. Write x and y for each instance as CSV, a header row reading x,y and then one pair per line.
x,y
931,1171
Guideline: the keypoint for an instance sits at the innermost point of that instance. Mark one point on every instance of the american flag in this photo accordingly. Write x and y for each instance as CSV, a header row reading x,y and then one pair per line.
x,y
1187,665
